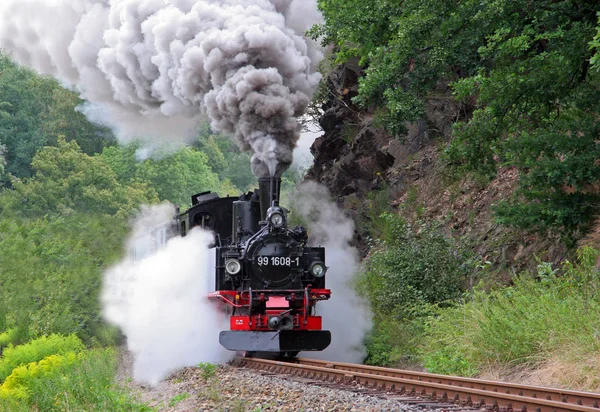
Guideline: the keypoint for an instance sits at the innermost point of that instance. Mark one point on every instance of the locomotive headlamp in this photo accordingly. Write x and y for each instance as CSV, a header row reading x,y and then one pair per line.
x,y
233,266
318,269
276,218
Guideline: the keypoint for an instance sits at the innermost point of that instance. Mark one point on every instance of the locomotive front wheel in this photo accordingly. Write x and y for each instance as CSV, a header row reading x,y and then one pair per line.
x,y
248,354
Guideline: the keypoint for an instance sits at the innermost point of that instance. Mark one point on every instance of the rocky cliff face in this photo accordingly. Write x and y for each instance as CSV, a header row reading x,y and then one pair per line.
x,y
354,158
351,155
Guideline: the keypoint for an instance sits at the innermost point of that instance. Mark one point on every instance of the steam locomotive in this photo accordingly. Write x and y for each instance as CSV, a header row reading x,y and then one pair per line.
x,y
265,276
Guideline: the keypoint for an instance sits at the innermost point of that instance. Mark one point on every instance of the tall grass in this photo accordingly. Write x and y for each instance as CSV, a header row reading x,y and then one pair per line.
x,y
524,324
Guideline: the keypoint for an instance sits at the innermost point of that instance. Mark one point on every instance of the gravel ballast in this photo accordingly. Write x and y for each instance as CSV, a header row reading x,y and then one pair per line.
x,y
237,389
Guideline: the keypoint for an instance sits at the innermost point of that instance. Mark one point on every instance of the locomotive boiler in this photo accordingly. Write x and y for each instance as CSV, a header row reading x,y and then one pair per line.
x,y
266,277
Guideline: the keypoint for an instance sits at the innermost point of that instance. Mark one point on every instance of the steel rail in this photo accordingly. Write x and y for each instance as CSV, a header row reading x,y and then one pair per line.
x,y
559,395
497,395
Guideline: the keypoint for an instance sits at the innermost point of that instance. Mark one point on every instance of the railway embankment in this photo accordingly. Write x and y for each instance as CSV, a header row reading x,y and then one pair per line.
x,y
454,288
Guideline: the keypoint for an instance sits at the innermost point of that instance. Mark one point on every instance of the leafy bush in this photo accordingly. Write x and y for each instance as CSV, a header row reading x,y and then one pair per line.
x,y
394,341
448,362
36,350
9,337
525,323
16,384
83,381
410,272
412,267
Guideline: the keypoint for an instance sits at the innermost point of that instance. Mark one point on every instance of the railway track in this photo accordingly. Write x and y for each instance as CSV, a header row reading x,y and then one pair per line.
x,y
433,388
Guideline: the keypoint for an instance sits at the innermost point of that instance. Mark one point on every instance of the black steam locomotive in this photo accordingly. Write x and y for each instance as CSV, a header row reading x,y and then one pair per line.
x,y
266,277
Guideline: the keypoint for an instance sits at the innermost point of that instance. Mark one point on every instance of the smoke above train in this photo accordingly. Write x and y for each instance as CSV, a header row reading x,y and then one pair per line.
x,y
155,69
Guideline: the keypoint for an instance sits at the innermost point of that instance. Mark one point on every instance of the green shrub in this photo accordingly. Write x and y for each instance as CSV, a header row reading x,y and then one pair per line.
x,y
82,382
36,350
525,323
16,385
449,362
412,267
373,212
51,271
8,337
393,341
410,273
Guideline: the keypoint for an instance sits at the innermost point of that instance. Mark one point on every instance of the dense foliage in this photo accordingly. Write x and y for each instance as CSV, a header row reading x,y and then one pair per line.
x,y
35,111
67,180
409,272
413,266
66,196
174,176
226,159
50,272
37,350
522,69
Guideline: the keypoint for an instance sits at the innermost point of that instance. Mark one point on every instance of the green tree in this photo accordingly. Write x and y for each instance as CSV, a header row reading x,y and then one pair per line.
x,y
522,68
24,96
595,45
174,176
357,27
536,109
63,118
34,112
421,44
67,180
2,161
226,159
50,271
58,230
214,153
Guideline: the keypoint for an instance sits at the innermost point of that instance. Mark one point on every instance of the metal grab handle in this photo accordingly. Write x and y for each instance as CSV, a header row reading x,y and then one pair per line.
x,y
306,302
250,307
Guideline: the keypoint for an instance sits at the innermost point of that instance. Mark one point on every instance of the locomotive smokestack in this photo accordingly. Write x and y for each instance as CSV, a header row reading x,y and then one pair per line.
x,y
268,190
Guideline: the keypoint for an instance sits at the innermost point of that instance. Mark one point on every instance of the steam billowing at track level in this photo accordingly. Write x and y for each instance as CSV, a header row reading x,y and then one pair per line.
x,y
154,69
265,278
157,298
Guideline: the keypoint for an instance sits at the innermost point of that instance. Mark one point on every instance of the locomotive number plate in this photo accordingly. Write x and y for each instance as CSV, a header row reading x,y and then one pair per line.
x,y
278,261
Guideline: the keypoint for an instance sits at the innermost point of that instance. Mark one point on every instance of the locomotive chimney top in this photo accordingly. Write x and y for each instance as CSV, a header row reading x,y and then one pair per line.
x,y
268,191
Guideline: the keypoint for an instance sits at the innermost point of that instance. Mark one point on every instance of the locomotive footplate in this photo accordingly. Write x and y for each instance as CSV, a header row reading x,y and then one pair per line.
x,y
277,341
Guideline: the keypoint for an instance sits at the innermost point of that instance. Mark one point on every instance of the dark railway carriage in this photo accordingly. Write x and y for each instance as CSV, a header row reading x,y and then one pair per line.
x,y
266,276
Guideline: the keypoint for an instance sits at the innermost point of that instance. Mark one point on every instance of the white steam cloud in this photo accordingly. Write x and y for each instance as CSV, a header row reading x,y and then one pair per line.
x,y
153,69
160,302
345,314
